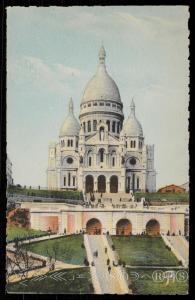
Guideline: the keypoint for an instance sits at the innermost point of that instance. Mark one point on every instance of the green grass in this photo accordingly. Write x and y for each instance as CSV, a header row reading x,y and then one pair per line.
x,y
144,250
17,232
145,284
170,197
75,195
76,281
69,249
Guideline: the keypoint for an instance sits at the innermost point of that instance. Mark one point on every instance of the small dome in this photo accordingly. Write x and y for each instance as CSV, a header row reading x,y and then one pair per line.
x,y
101,86
71,125
132,126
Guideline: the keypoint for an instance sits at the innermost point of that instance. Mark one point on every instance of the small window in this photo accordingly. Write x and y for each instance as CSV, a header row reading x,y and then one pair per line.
x,y
113,105
89,161
126,144
134,144
84,126
107,104
68,179
73,181
118,127
89,126
69,160
113,126
94,125
95,104
71,143
138,183
77,144
113,161
101,104
133,161
64,181
108,123
89,104
68,143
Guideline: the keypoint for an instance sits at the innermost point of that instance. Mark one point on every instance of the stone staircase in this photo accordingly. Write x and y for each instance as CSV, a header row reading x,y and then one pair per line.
x,y
179,246
104,282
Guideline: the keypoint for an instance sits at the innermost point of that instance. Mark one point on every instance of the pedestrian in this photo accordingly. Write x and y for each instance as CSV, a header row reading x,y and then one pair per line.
x,y
109,269
108,261
106,250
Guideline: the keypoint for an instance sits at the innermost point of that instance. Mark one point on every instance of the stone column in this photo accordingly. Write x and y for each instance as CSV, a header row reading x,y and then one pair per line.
x,y
108,186
95,184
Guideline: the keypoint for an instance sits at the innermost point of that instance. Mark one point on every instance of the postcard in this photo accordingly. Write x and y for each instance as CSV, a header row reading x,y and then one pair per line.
x,y
97,147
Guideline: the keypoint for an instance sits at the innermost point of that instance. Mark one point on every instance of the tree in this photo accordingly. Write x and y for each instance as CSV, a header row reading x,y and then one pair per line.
x,y
20,262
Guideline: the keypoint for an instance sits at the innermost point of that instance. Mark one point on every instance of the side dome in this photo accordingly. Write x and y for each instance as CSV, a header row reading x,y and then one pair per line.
x,y
71,125
132,126
101,86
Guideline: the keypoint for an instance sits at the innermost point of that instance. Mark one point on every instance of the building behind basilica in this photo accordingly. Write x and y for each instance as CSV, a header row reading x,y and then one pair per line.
x,y
101,152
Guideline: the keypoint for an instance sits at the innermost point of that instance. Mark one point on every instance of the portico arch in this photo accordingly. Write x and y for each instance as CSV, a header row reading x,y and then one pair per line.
x,y
89,184
93,226
114,184
101,184
123,227
153,227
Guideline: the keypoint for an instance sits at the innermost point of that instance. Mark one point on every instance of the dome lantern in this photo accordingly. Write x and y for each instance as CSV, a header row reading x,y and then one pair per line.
x,y
102,55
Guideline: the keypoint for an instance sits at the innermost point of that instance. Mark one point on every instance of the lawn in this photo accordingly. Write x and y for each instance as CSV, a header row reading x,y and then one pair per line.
x,y
170,197
143,283
68,249
17,232
75,195
144,250
71,281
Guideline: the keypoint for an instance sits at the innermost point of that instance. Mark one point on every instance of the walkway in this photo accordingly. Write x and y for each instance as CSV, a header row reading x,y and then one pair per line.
x,y
104,283
181,245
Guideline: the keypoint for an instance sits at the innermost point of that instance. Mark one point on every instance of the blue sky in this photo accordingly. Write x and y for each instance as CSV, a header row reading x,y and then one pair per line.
x,y
53,52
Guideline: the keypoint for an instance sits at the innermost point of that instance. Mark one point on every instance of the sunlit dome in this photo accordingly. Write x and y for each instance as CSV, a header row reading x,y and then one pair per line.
x,y
132,126
101,86
71,125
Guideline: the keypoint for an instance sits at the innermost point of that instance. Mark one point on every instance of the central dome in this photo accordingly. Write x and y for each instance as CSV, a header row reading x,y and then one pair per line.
x,y
101,86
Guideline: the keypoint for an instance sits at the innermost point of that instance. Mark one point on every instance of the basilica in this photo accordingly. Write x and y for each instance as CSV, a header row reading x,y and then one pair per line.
x,y
101,152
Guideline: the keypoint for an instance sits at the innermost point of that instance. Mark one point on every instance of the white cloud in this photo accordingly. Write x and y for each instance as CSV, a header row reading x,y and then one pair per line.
x,y
39,74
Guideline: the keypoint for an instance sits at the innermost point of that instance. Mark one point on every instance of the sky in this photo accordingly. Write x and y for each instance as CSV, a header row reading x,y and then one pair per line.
x,y
53,52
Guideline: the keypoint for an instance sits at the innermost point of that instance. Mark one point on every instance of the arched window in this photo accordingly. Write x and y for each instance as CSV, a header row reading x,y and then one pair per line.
x,y
77,144
64,181
118,127
84,126
68,143
113,126
126,144
90,161
113,161
73,181
102,135
89,126
94,125
101,155
131,144
71,143
108,123
134,144
137,183
68,179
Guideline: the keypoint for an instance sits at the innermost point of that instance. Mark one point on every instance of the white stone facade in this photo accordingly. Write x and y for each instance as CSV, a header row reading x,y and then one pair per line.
x,y
101,153
75,218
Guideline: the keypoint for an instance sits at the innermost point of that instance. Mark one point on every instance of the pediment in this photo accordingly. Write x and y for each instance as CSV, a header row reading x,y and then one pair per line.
x,y
94,140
